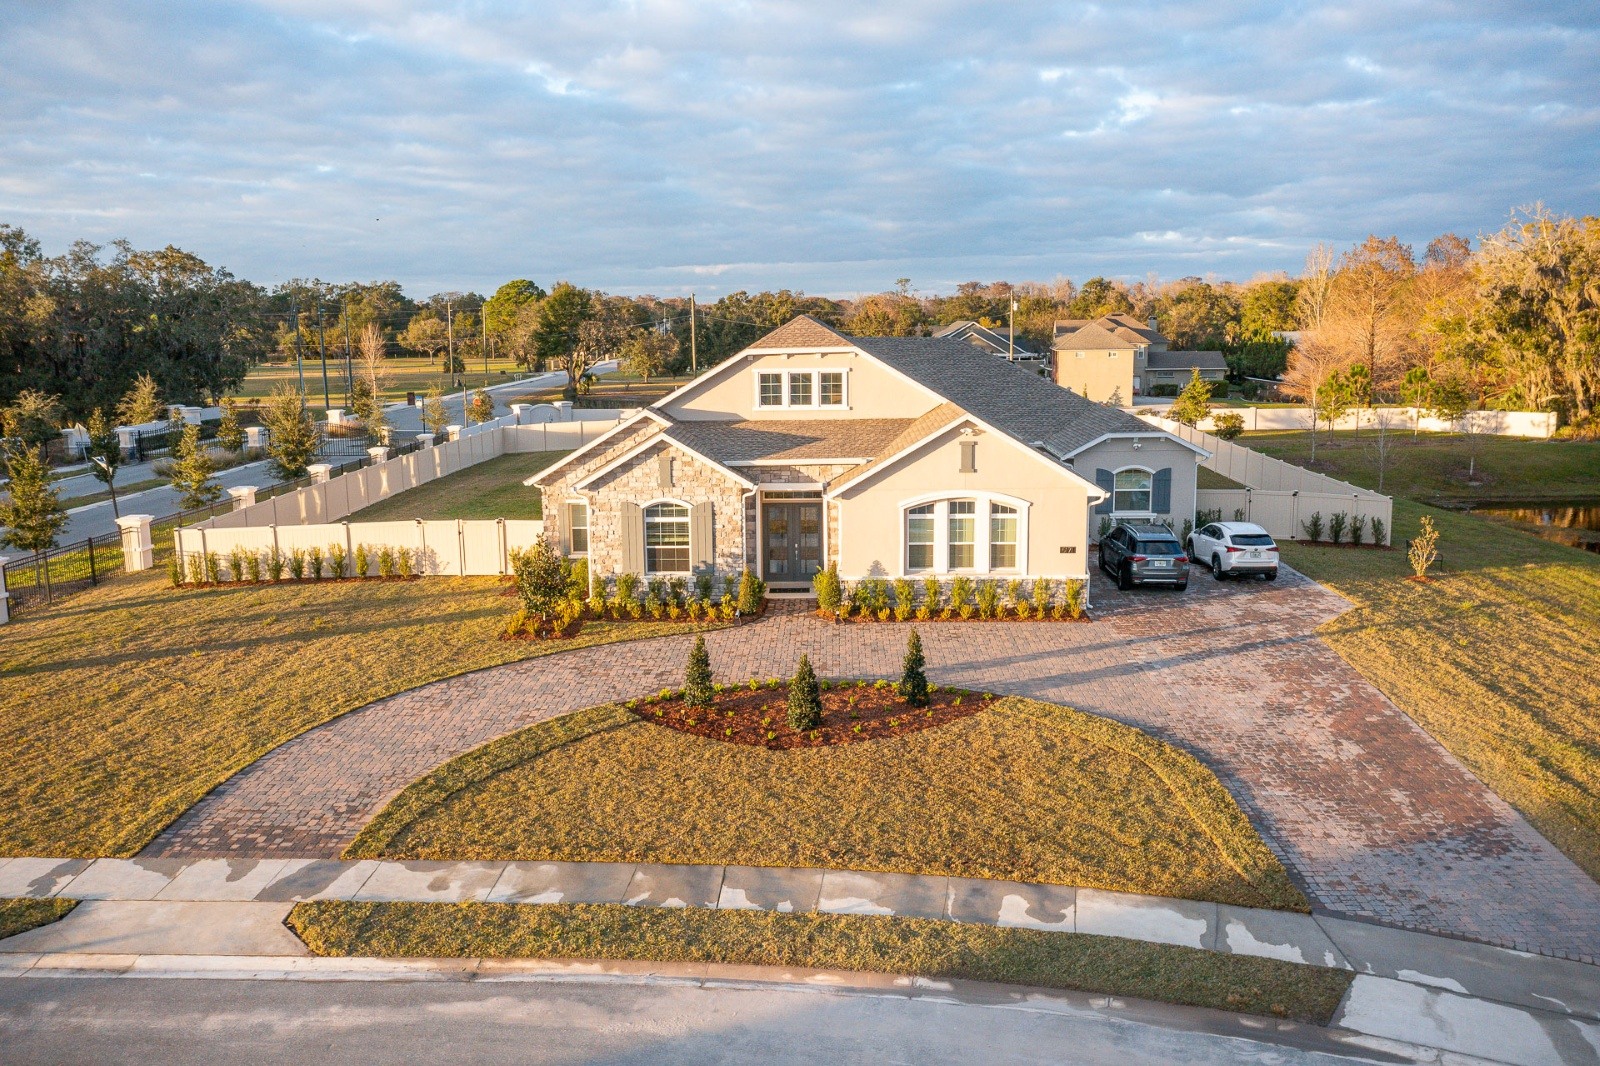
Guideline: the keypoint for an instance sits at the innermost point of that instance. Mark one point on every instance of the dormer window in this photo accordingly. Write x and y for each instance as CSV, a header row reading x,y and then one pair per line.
x,y
770,390
802,390
808,389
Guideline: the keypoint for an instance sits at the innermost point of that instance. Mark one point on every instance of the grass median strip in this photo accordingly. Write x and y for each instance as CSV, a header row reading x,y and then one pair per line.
x,y
1494,656
127,703
926,948
20,915
1023,791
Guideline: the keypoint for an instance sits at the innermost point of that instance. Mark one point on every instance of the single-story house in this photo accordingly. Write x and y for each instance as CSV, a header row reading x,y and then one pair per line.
x,y
890,456
994,341
1114,358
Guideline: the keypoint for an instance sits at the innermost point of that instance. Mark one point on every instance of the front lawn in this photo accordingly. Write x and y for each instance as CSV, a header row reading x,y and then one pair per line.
x,y
1022,790
490,489
1495,657
936,949
128,702
1434,465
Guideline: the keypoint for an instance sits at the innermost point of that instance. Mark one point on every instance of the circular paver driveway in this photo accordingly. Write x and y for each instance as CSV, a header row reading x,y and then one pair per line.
x,y
1373,817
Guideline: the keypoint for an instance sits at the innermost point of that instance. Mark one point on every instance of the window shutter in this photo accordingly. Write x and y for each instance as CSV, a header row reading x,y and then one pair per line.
x,y
1106,481
1161,491
632,539
701,538
664,469
566,528
969,457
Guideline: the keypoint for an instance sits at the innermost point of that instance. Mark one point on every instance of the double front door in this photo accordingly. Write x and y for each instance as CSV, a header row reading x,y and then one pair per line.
x,y
791,541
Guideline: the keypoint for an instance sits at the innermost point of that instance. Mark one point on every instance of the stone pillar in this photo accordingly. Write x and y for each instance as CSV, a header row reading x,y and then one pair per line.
x,y
378,455
517,410
138,553
563,410
425,439
452,432
255,437
128,440
335,416
243,496
320,472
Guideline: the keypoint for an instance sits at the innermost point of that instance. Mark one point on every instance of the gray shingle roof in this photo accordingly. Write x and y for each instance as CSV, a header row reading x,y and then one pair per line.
x,y
792,439
1013,399
1185,360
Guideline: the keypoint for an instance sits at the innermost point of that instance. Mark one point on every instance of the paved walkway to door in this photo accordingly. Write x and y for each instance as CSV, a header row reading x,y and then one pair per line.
x,y
1369,813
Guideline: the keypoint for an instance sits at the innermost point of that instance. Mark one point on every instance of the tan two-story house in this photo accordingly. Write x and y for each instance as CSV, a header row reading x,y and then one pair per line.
x,y
890,456
1114,358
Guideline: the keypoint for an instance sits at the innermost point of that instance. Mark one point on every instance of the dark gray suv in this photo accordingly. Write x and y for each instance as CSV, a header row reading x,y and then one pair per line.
x,y
1139,553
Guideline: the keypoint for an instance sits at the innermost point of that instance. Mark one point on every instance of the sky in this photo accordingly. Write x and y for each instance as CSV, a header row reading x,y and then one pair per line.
x,y
832,147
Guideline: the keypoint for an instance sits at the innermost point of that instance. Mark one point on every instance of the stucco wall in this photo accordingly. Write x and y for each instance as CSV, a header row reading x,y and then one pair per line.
x,y
871,390
870,533
1152,454
1097,373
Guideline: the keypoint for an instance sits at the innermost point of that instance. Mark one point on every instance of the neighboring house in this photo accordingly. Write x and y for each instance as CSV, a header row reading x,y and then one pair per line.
x,y
1114,358
995,341
892,456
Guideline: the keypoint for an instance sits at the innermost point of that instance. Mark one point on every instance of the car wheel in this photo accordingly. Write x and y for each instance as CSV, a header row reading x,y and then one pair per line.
x,y
1216,568
1180,586
1125,577
1272,575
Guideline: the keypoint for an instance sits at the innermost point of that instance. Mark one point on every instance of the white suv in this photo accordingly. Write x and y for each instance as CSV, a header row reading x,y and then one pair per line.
x,y
1243,549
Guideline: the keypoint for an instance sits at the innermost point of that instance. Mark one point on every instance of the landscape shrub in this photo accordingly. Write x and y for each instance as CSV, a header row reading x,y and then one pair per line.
x,y
872,596
236,564
1313,527
730,588
702,586
213,568
1423,551
252,563
577,571
297,564
1016,593
1336,526
932,596
175,570
1043,593
697,611
628,589
314,563
1073,594
961,592
1188,527
275,563
1378,531
1105,528
805,701
540,579
386,561
697,690
197,569
1206,517
403,562
905,599
336,559
752,593
913,686
363,560
728,609
654,607
1227,426
679,589
1238,514
988,599
1162,390
1358,529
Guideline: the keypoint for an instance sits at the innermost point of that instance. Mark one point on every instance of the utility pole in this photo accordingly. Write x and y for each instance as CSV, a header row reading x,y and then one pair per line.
x,y
349,371
450,340
694,354
1011,343
322,343
483,323
299,364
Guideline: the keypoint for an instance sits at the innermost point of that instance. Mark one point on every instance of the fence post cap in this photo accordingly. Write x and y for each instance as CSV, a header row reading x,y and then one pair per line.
x,y
134,521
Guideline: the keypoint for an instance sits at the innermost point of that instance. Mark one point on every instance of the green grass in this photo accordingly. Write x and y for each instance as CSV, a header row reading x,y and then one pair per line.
x,y
128,702
1208,478
20,915
1022,790
1495,657
614,386
1433,467
490,489
405,375
924,947
122,490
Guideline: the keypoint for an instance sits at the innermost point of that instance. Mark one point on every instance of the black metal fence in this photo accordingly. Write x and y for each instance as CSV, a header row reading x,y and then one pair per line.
x,y
40,577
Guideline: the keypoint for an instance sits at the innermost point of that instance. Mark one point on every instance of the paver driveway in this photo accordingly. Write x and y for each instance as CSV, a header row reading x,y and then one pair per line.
x,y
1373,817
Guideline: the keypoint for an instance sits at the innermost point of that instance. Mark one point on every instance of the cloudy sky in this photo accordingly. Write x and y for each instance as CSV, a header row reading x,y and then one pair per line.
x,y
662,146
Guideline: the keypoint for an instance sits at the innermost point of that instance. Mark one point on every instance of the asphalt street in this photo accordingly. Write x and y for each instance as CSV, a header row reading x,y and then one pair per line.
x,y
217,1023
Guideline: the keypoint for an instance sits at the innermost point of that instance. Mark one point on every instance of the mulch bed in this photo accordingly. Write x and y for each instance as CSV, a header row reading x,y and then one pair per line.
x,y
852,712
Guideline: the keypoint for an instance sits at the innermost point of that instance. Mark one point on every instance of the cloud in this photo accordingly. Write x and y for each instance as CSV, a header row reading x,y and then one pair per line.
x,y
672,146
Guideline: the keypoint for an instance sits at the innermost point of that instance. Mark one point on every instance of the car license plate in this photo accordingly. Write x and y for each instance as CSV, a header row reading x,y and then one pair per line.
x,y
1254,555
1160,562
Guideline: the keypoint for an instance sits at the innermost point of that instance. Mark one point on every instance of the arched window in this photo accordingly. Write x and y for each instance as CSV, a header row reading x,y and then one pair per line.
x,y
666,538
1131,491
965,535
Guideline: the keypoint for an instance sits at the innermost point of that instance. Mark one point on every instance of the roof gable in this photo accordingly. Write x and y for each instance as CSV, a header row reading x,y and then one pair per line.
x,y
801,331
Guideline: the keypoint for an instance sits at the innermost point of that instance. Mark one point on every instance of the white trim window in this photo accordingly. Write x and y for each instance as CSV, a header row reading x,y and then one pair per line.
x,y
666,538
809,390
769,390
1133,490
1002,537
919,537
578,527
830,388
802,390
962,537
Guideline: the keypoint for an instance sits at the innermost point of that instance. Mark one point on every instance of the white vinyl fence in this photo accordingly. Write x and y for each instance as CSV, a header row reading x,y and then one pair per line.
x,y
310,517
1540,425
1278,496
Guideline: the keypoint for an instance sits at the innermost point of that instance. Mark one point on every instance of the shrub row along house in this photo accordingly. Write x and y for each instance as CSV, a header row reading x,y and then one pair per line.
x,y
1114,358
891,456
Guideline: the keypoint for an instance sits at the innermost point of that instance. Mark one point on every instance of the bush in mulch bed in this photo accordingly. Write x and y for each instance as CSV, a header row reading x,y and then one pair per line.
x,y
757,713
964,599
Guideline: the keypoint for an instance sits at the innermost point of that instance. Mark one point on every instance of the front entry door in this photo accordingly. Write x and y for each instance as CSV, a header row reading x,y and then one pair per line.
x,y
791,539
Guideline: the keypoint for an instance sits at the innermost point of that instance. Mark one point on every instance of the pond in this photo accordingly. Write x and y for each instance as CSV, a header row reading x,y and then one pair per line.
x,y
1571,522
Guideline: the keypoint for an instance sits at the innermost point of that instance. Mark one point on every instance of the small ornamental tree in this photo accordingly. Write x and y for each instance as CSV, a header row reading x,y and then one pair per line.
x,y
33,516
541,580
697,676
434,417
805,701
752,594
481,409
230,434
1424,549
913,686
105,454
292,440
1194,402
191,474
830,594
